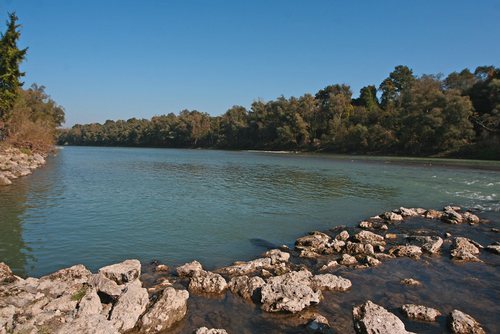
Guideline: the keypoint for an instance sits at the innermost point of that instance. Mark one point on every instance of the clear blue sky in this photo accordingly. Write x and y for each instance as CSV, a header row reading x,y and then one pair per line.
x,y
121,59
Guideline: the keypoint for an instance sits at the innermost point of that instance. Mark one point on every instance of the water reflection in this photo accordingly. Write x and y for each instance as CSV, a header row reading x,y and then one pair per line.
x,y
13,249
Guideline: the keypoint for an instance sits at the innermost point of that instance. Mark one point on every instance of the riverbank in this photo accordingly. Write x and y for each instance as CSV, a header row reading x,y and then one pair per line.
x,y
15,163
413,269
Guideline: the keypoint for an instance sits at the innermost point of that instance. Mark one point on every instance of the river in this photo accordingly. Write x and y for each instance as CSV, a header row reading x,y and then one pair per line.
x,y
98,206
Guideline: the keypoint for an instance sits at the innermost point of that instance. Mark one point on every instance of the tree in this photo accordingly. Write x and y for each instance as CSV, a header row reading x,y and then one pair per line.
x,y
10,59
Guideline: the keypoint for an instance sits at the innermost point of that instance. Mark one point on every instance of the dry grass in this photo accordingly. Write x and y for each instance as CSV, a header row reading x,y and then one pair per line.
x,y
27,134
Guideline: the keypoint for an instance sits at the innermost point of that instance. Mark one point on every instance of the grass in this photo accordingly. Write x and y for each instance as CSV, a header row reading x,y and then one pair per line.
x,y
77,296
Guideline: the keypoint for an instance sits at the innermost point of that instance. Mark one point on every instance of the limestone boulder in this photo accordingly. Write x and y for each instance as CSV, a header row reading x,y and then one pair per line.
x,y
462,323
420,312
370,318
169,308
207,282
290,292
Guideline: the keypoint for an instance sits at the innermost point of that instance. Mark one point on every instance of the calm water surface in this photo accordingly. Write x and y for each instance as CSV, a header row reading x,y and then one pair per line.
x,y
101,205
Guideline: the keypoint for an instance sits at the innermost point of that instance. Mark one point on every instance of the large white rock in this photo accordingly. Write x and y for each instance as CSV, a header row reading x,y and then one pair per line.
x,y
370,318
290,292
170,307
129,307
124,272
462,323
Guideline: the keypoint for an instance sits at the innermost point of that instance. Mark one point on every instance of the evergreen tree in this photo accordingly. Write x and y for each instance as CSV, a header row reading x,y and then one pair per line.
x,y
10,59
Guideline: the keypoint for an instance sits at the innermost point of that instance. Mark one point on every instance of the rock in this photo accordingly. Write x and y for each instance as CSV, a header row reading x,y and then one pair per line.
x,y
104,285
407,212
372,262
205,330
170,307
370,318
429,244
391,216
462,323
419,312
365,224
90,324
348,260
4,181
411,282
408,251
124,272
391,236
245,286
188,269
161,268
433,214
367,237
354,248
65,281
245,268
207,282
129,307
7,319
493,248
6,275
90,304
331,282
342,236
329,265
277,256
470,218
316,242
463,249
65,303
451,216
290,292
318,325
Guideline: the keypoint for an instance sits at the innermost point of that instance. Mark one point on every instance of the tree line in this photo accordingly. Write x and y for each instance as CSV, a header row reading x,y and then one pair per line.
x,y
405,114
28,117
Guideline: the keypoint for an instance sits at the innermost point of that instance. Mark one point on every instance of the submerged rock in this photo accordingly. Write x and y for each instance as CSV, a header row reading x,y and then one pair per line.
x,y
419,312
462,323
290,292
170,307
493,248
411,282
370,318
318,324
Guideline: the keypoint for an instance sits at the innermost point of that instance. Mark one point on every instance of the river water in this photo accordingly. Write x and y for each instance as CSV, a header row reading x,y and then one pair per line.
x,y
98,206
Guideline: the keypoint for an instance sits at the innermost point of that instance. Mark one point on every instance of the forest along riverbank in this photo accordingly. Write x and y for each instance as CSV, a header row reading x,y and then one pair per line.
x,y
14,164
407,270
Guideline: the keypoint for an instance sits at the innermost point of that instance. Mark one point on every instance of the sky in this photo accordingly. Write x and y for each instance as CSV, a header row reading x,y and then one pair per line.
x,y
118,59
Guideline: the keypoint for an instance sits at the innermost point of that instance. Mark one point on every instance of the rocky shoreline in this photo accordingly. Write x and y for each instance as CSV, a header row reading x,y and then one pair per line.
x,y
14,164
289,286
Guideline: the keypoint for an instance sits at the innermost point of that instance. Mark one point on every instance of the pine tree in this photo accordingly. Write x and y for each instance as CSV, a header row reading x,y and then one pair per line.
x,y
10,59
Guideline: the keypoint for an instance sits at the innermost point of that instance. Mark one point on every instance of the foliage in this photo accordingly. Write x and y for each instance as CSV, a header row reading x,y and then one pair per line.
x,y
423,115
10,59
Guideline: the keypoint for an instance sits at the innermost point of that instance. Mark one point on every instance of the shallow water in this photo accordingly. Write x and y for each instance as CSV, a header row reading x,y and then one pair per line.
x,y
101,205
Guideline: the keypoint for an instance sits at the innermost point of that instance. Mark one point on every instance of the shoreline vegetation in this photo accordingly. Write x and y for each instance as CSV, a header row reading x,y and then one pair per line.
x,y
290,288
425,116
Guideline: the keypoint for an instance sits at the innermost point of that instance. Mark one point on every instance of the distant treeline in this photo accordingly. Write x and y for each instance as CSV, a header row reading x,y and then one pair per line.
x,y
428,115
